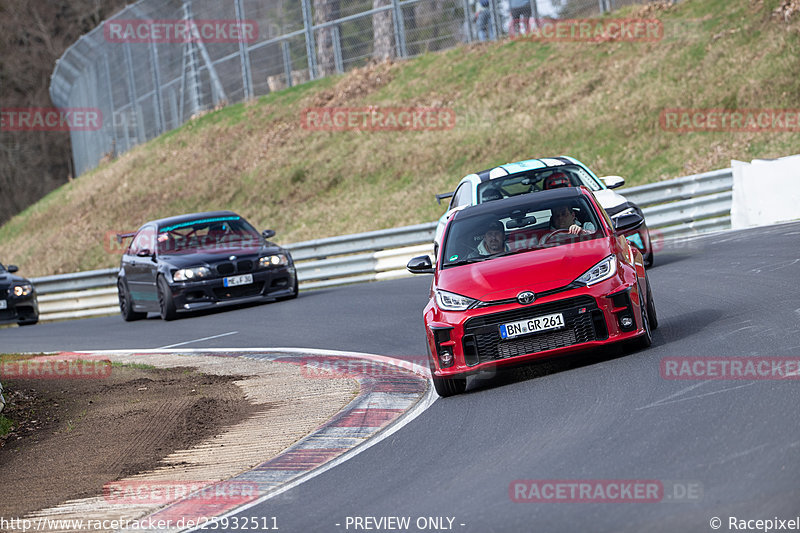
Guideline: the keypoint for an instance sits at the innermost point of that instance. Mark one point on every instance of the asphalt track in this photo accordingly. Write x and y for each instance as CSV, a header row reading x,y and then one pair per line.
x,y
603,416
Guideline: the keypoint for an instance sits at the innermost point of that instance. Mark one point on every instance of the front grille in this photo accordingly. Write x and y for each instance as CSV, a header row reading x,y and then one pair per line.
x,y
242,291
225,268
3,294
482,340
244,266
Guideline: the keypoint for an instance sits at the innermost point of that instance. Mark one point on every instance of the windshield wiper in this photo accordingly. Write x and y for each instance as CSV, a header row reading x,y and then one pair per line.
x,y
469,260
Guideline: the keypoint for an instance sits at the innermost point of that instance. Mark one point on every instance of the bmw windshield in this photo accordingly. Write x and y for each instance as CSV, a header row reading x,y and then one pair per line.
x,y
512,228
224,233
536,180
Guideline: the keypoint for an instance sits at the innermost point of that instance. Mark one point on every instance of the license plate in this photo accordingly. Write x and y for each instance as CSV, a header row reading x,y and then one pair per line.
x,y
3,304
532,325
233,281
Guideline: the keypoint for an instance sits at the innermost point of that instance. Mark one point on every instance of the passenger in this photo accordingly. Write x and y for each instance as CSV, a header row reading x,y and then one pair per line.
x,y
564,217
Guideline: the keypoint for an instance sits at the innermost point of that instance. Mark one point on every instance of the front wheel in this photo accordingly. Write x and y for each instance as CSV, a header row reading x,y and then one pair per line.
x,y
165,302
449,386
645,339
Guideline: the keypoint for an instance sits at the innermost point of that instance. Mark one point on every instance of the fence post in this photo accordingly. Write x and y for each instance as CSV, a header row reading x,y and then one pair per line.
x,y
399,29
244,53
494,21
467,21
287,62
140,137
311,44
337,49
111,106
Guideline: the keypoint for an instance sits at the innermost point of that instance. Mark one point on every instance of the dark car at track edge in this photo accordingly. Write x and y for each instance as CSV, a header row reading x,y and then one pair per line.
x,y
201,261
18,300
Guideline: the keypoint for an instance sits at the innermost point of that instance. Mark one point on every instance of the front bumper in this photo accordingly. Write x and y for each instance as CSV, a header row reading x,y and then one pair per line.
x,y
18,308
593,317
268,285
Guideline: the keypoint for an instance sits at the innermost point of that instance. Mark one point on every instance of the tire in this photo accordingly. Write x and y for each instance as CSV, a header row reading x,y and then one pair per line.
x,y
126,304
449,386
645,339
28,322
165,302
648,259
651,306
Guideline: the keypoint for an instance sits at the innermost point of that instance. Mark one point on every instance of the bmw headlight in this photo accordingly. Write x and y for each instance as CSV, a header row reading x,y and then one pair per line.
x,y
23,290
600,272
450,301
273,261
190,274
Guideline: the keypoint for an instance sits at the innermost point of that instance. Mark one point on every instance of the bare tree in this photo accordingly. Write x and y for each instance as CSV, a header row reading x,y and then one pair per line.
x,y
326,11
383,32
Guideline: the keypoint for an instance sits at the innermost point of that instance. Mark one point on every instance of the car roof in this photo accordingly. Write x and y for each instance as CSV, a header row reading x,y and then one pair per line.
x,y
190,217
562,193
528,164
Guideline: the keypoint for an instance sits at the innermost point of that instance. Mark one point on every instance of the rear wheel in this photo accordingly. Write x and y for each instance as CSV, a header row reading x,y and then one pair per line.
x,y
165,302
126,304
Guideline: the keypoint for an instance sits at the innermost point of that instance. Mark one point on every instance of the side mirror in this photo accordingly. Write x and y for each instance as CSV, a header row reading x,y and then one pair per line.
x,y
268,233
420,265
612,182
144,252
12,268
627,222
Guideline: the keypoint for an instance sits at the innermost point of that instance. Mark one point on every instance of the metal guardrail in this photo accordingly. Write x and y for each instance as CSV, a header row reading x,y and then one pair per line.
x,y
675,208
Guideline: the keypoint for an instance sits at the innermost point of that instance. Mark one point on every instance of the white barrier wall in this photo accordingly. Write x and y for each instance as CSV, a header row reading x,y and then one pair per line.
x,y
765,192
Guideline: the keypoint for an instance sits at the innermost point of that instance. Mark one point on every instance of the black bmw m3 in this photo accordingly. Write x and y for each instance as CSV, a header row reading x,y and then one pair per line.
x,y
200,261
18,302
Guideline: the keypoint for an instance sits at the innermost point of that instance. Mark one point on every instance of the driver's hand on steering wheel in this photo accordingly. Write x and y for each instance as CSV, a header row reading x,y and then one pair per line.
x,y
575,229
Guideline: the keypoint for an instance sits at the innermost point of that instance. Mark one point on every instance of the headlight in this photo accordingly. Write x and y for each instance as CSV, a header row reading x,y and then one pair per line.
x,y
601,271
189,274
450,301
23,290
273,260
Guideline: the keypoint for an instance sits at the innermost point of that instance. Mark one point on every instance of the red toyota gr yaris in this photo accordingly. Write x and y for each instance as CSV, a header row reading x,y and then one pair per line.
x,y
531,277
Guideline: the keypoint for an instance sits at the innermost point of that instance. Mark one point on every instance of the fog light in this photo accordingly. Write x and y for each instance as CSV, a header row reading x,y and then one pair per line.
x,y
626,321
445,358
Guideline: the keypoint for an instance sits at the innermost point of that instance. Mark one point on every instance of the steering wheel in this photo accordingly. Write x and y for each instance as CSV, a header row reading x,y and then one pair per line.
x,y
553,233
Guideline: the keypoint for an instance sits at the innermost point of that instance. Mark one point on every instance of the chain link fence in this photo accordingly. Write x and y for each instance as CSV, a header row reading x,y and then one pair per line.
x,y
157,63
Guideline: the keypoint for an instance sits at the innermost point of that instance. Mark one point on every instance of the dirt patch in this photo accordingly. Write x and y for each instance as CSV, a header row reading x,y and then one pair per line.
x,y
787,10
70,437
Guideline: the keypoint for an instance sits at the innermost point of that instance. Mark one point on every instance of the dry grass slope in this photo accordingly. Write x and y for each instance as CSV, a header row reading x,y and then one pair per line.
x,y
513,100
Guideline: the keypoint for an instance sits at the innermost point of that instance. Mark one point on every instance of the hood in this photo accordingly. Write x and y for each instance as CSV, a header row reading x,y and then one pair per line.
x,y
7,279
609,199
537,271
213,257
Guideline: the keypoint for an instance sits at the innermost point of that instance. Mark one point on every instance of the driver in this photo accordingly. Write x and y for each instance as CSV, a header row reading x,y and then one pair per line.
x,y
494,239
563,217
556,180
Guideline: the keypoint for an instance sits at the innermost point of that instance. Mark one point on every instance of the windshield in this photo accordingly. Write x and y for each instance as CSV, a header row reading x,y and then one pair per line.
x,y
512,229
536,180
224,233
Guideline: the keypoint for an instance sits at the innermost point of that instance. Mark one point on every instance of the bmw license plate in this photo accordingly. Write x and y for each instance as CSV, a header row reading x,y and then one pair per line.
x,y
533,325
233,281
3,304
